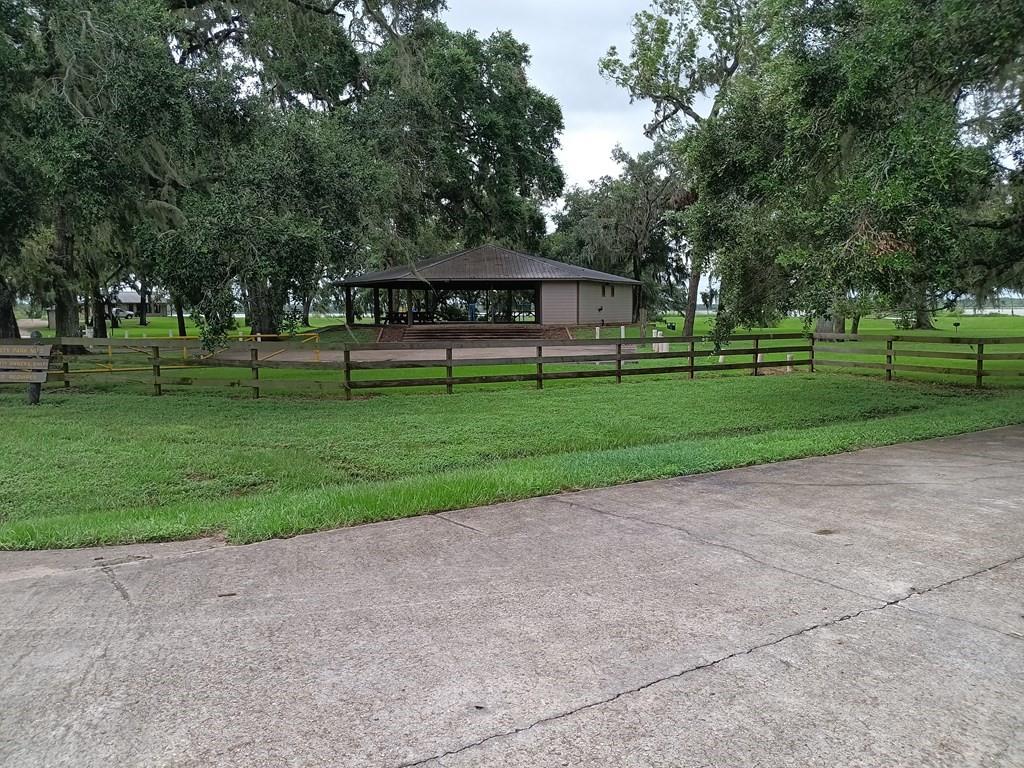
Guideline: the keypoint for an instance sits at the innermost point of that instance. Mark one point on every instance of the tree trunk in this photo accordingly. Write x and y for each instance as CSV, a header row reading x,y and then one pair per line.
x,y
923,319
65,297
179,312
855,324
264,308
307,302
691,301
143,302
246,307
8,322
108,307
99,315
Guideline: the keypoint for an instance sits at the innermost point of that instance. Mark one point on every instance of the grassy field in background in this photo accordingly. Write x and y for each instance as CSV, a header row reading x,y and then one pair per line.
x,y
971,325
161,327
100,468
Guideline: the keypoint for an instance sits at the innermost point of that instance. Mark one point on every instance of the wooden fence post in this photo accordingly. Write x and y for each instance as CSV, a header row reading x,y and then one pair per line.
x,y
756,355
155,354
540,367
813,339
254,356
618,363
979,378
348,373
693,360
449,370
888,359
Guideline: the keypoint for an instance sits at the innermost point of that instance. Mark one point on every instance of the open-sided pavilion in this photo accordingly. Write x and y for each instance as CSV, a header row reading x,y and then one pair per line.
x,y
491,284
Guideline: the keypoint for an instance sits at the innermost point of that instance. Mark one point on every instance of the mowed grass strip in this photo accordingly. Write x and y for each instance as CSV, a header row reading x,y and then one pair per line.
x,y
105,468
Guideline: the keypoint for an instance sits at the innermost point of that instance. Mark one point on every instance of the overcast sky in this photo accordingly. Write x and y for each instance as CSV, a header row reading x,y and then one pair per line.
x,y
566,39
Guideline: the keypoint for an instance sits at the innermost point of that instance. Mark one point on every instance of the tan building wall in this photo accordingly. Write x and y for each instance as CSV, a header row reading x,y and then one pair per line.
x,y
614,307
558,303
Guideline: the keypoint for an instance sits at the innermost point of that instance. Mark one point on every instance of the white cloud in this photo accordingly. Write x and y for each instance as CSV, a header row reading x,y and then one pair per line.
x,y
566,39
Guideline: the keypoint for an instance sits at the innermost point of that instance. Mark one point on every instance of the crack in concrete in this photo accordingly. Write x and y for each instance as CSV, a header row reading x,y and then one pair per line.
x,y
440,516
109,571
706,665
721,545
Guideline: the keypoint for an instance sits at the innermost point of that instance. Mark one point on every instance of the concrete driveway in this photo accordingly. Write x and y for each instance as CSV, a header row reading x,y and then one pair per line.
x,y
859,610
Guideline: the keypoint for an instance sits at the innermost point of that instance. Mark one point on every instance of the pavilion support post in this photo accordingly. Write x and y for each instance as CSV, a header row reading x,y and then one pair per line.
x,y
391,305
408,306
350,310
376,306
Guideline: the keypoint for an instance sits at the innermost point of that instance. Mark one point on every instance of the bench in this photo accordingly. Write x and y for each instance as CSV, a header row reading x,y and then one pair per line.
x,y
25,364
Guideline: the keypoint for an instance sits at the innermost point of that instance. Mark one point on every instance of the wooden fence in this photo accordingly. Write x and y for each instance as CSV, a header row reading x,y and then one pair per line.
x,y
351,367
926,354
166,360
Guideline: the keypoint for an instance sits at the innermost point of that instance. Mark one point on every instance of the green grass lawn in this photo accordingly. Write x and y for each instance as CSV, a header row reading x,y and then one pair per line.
x,y
113,467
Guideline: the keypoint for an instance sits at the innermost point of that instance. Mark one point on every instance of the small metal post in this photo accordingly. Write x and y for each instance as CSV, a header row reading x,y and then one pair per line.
x,y
540,367
348,373
155,354
449,370
757,356
254,356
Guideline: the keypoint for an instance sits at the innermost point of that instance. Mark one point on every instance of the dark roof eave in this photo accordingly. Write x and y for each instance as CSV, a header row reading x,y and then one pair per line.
x,y
367,281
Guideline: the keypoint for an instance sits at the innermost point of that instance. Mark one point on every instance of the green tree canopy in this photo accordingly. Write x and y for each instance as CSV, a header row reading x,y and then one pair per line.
x,y
844,166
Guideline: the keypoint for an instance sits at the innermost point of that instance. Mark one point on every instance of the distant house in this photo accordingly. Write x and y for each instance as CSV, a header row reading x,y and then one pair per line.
x,y
131,301
491,284
126,301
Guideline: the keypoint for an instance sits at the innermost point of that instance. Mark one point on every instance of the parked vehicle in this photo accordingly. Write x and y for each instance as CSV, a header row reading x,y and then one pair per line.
x,y
123,314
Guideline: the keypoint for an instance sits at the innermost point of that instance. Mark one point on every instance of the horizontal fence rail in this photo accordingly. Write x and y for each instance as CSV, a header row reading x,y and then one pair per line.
x,y
835,350
173,361
349,367
260,365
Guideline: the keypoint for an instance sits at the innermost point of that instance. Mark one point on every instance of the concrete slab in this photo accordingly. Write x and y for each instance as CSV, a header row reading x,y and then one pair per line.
x,y
887,688
755,617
